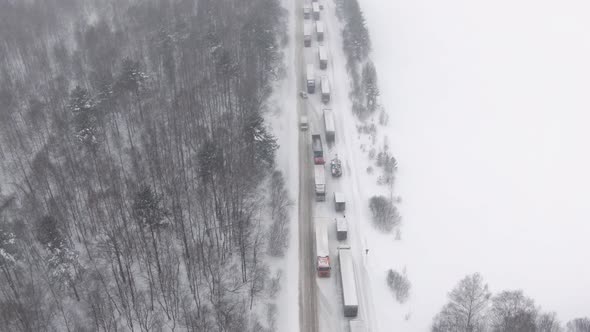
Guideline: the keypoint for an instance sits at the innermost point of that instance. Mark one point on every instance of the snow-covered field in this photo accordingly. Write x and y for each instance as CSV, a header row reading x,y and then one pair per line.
x,y
489,110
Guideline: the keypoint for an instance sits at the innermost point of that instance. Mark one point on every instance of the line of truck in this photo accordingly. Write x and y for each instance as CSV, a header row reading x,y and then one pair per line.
x,y
345,258
321,51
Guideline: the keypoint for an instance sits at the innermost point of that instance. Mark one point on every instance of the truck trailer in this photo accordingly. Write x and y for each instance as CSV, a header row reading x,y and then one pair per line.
x,y
348,282
319,180
325,86
318,150
339,201
322,249
341,229
306,34
310,78
319,30
306,12
329,125
315,8
323,55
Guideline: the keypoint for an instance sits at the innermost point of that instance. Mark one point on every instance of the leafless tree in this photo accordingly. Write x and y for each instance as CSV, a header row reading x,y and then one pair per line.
x,y
579,325
466,308
548,322
512,311
280,202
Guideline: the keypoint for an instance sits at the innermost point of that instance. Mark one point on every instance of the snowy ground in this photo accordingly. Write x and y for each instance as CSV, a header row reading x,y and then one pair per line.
x,y
488,105
283,122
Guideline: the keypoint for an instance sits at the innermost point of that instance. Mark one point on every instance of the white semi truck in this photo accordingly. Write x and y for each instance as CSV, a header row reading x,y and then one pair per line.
x,y
315,8
348,281
319,182
306,12
329,125
322,248
323,55
325,86
310,78
319,30
307,34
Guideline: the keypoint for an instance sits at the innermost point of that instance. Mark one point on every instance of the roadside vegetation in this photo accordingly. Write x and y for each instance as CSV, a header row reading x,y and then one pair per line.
x,y
279,201
365,91
473,308
357,46
399,284
364,97
385,214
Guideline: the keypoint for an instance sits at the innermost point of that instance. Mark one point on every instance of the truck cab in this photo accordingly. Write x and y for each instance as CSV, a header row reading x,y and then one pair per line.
x,y
303,123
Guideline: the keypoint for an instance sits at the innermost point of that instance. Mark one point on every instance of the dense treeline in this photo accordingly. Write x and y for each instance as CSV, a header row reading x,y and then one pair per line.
x,y
472,308
357,46
133,152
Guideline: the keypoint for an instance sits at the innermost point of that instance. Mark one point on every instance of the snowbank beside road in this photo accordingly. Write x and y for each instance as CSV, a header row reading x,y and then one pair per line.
x,y
283,121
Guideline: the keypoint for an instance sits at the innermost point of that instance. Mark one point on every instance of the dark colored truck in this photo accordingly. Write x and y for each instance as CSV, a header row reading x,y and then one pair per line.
x,y
318,151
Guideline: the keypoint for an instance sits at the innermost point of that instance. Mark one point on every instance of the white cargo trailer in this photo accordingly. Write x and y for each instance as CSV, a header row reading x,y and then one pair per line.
x,y
310,78
348,281
315,8
339,201
329,125
325,86
322,248
320,182
319,30
341,229
307,34
306,12
323,55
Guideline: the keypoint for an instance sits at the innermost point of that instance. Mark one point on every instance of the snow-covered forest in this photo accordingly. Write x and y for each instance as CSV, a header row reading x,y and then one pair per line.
x,y
133,148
